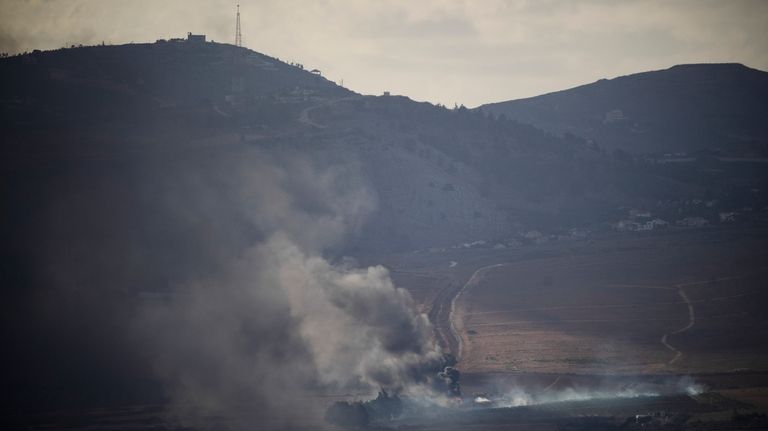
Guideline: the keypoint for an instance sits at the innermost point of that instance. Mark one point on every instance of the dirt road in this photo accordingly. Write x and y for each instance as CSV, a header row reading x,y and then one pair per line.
x,y
691,314
691,322
452,315
306,118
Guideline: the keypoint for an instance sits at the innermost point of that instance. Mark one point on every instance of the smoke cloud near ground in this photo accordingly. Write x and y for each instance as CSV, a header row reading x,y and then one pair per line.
x,y
278,321
609,389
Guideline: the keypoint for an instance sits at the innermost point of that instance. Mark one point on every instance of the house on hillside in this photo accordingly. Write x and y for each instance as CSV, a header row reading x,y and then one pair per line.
x,y
578,233
657,223
627,225
534,236
728,216
635,213
693,222
639,225
652,224
613,116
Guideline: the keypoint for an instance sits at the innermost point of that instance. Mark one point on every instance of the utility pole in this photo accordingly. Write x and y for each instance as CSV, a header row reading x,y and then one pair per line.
x,y
238,35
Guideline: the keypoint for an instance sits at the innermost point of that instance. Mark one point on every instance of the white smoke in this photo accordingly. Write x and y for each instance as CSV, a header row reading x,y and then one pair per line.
x,y
520,397
359,327
279,321
517,396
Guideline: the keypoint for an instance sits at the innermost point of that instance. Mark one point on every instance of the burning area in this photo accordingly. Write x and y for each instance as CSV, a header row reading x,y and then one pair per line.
x,y
436,388
607,389
280,314
611,395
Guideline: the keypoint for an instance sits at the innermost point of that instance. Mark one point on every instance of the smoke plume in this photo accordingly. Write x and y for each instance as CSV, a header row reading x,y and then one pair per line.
x,y
611,388
277,322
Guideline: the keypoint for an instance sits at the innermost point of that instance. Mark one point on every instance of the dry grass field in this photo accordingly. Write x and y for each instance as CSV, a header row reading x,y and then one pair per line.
x,y
691,303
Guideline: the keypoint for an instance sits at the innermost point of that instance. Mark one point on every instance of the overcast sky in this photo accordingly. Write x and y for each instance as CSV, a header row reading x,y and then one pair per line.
x,y
446,51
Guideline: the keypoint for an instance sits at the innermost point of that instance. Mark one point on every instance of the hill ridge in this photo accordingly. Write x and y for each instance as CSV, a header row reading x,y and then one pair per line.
x,y
692,108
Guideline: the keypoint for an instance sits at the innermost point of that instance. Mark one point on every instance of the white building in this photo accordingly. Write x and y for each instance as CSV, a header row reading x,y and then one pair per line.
x,y
693,222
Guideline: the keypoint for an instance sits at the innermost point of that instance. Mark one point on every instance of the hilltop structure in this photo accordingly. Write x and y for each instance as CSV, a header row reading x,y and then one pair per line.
x,y
195,38
238,33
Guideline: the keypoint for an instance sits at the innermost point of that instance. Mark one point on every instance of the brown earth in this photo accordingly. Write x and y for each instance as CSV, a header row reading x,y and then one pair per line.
x,y
663,305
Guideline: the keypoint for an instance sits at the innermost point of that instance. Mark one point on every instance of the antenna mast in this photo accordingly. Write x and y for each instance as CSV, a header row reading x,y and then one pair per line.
x,y
238,35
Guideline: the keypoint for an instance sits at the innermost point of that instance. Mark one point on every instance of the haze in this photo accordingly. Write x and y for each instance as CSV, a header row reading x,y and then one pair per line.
x,y
442,51
283,233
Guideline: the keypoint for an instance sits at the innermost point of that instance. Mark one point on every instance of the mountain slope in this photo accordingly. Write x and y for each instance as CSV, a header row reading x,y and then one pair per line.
x,y
147,84
133,116
439,176
686,108
131,169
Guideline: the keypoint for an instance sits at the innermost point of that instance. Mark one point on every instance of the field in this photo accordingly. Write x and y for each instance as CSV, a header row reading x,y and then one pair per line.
x,y
611,315
605,315
676,303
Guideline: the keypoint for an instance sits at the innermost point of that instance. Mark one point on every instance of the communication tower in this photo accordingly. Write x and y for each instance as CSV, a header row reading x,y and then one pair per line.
x,y
238,34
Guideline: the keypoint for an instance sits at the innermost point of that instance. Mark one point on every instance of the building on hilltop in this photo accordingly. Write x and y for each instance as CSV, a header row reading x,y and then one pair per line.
x,y
195,38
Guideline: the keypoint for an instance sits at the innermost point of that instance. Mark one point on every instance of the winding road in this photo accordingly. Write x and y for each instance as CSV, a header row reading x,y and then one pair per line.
x,y
306,118
691,322
691,314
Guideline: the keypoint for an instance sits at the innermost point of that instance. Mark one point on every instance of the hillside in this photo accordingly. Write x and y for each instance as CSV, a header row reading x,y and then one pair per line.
x,y
439,177
148,85
130,169
134,116
693,108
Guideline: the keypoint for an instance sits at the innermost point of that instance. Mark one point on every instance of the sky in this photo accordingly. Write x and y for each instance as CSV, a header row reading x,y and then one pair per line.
x,y
443,51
